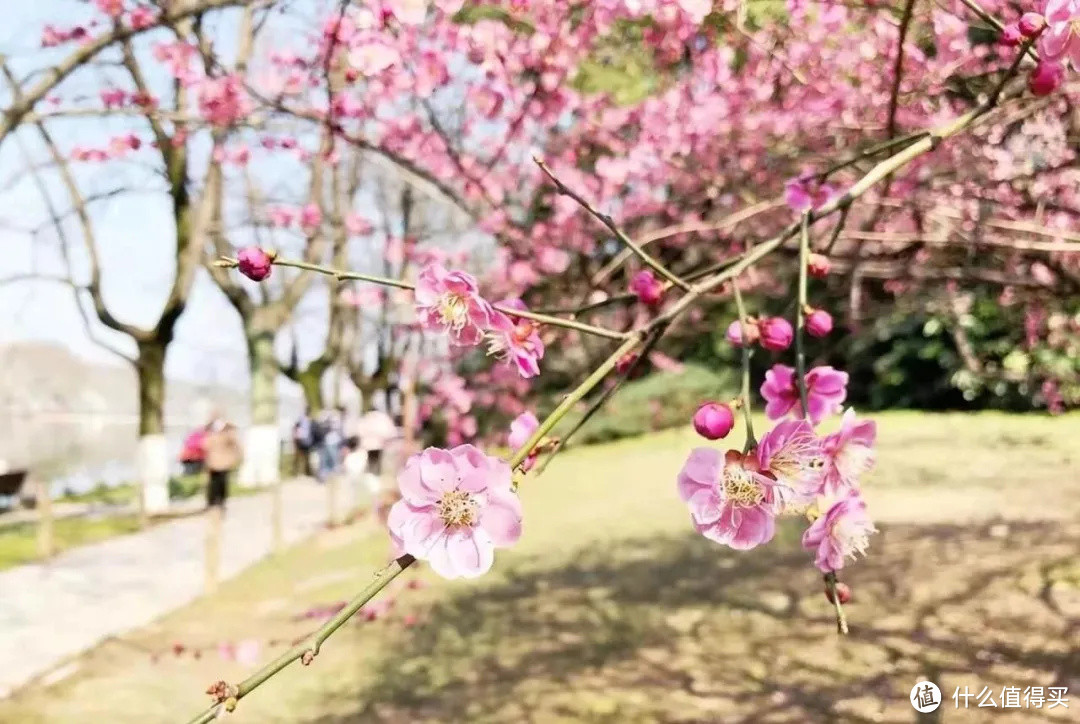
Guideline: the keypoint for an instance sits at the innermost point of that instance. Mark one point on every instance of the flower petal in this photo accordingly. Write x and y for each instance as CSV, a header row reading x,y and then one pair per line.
x,y
501,518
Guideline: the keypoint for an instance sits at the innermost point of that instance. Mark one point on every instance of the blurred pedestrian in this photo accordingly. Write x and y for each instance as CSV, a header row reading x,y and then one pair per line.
x,y
303,441
223,454
330,424
377,431
193,453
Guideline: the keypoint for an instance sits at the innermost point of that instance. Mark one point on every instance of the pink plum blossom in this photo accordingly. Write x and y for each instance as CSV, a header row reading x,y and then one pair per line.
x,y
713,420
141,17
310,216
805,193
357,225
849,453
842,531
451,301
112,8
517,342
1061,38
792,454
730,501
457,507
826,389
521,429
223,101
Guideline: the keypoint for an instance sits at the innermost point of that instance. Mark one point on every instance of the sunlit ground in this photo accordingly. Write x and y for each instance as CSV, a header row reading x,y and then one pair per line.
x,y
612,610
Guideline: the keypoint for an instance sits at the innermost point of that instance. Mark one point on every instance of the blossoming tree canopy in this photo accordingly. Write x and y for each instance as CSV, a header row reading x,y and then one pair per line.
x,y
622,165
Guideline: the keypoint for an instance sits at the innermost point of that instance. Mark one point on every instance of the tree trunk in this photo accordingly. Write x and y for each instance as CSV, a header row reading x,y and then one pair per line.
x,y
152,464
310,381
262,449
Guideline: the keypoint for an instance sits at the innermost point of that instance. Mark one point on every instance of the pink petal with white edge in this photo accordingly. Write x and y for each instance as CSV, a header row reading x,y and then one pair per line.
x,y
501,518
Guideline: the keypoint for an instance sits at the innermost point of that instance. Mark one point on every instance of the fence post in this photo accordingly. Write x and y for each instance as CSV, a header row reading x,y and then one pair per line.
x,y
45,540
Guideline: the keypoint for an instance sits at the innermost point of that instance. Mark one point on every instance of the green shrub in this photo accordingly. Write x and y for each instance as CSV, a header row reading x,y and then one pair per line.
x,y
655,402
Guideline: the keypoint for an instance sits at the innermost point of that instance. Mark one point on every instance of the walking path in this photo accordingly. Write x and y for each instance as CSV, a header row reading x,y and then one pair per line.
x,y
51,612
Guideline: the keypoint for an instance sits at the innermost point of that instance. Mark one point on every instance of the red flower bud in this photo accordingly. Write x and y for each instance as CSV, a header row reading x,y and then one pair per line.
x,y
843,592
254,263
1011,36
734,333
819,323
624,363
647,287
776,333
818,265
714,420
1046,78
1031,24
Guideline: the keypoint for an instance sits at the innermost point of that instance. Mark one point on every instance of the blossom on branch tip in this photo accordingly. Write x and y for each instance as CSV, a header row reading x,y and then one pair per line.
x,y
1031,24
730,501
451,301
777,334
842,531
1011,36
255,263
826,389
457,507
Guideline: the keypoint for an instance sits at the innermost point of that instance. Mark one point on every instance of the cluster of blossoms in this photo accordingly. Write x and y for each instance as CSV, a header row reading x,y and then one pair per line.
x,y
1056,34
450,301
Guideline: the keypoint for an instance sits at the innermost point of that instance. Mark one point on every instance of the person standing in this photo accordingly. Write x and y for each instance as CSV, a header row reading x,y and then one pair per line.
x,y
223,454
330,446
303,442
377,430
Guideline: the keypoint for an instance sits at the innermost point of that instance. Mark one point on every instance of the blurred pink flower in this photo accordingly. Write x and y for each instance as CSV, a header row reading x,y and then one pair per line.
x,y
357,225
647,287
112,8
310,217
734,333
521,429
730,501
451,301
141,17
843,530
849,453
457,507
804,193
826,389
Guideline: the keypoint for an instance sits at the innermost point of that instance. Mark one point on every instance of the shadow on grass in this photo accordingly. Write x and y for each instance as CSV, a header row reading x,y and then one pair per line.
x,y
679,630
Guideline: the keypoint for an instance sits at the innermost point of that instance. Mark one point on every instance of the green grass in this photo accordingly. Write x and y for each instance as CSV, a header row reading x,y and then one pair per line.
x,y
611,609
18,542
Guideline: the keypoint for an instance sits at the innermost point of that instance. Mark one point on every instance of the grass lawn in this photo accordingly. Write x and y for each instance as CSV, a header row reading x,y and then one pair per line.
x,y
611,609
18,542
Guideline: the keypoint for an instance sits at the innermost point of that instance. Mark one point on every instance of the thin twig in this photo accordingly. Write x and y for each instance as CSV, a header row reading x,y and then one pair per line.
x,y
610,224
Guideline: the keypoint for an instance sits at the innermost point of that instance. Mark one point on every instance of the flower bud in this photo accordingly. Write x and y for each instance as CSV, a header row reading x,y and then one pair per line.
x,y
776,333
734,333
1046,78
819,323
625,362
1031,24
714,420
1011,35
254,263
647,287
818,265
843,592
